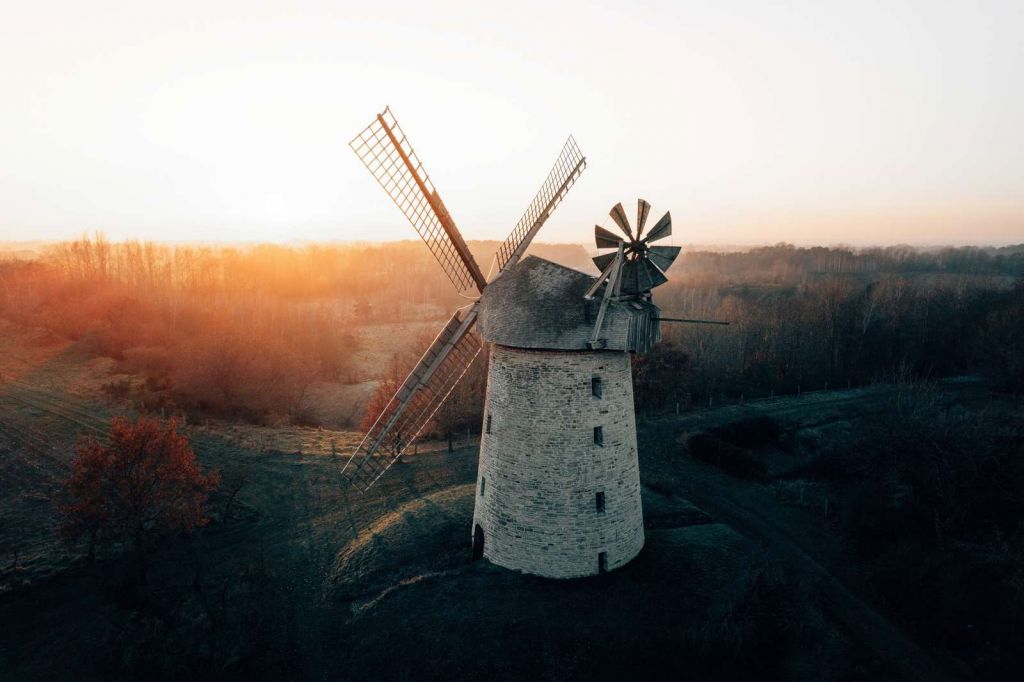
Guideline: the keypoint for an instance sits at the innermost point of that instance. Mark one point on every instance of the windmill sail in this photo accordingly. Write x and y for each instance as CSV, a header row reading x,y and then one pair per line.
x,y
567,169
417,399
386,152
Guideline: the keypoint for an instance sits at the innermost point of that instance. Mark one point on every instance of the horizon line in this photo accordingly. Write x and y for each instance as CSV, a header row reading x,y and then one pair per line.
x,y
7,244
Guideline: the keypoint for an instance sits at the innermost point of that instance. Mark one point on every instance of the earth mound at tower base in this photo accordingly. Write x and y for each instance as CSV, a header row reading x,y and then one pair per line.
x,y
699,601
422,536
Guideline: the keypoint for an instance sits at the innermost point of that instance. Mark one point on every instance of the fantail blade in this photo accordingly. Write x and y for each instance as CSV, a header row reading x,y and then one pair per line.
x,y
606,239
618,214
642,209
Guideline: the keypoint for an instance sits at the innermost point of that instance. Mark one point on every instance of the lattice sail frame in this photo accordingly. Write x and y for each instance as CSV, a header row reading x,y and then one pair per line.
x,y
386,152
567,169
417,400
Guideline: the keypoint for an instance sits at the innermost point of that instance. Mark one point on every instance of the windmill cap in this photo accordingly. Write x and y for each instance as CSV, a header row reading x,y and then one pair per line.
x,y
538,304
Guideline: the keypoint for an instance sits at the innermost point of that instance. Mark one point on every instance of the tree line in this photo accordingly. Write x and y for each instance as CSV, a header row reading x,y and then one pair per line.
x,y
248,331
814,318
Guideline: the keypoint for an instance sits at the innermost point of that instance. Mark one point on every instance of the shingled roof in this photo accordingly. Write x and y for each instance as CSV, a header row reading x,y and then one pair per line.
x,y
539,304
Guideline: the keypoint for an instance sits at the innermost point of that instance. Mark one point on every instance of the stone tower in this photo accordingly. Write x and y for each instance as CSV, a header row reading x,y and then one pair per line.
x,y
558,486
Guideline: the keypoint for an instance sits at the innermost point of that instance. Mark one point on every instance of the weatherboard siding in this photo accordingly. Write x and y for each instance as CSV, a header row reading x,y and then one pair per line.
x,y
543,469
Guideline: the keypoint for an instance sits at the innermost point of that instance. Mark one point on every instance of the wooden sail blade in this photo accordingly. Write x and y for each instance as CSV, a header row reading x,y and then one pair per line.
x,y
649,275
386,152
661,229
642,209
606,239
641,275
567,169
628,279
618,214
604,260
663,256
416,401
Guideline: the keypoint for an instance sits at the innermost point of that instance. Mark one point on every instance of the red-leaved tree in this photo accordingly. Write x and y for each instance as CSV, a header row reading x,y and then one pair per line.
x,y
144,484
385,390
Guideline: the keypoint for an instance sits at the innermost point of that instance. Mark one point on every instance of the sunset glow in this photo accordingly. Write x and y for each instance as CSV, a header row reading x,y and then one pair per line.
x,y
811,123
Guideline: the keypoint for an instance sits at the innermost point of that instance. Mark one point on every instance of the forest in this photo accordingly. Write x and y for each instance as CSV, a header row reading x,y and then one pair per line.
x,y
812,318
248,332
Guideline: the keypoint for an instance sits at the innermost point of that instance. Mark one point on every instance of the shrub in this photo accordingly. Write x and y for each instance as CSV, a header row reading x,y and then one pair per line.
x,y
118,389
753,432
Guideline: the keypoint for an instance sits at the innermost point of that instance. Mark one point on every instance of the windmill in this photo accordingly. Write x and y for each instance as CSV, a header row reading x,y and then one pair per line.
x,y
558,484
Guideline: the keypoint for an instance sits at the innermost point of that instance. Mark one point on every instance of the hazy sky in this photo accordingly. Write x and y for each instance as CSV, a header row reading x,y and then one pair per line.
x,y
859,122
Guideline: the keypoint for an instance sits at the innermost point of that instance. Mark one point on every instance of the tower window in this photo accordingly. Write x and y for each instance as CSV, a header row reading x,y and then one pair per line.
x,y
595,387
600,503
602,562
598,435
483,485
488,428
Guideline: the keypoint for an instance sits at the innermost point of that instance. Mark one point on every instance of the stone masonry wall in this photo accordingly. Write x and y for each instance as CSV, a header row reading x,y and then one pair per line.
x,y
540,469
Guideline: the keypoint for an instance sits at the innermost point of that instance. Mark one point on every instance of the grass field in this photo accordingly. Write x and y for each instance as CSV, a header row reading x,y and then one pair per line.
x,y
304,577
